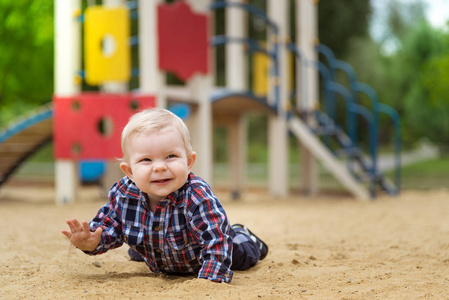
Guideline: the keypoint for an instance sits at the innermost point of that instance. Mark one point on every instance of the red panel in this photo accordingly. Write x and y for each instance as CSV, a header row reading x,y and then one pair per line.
x,y
183,40
89,125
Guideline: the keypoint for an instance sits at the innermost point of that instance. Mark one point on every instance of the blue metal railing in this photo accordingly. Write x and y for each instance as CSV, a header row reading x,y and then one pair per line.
x,y
331,88
393,114
363,111
377,108
373,120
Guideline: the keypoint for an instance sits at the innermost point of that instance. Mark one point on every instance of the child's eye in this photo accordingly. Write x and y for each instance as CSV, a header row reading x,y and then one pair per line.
x,y
171,156
146,159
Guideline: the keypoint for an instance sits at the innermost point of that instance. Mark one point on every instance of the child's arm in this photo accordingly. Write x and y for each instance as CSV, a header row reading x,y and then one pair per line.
x,y
211,226
80,235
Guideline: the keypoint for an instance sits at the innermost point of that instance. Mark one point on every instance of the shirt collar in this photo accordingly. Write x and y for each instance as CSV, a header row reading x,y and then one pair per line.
x,y
177,197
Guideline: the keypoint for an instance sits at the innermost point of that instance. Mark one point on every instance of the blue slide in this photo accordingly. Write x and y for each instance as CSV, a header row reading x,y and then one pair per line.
x,y
23,138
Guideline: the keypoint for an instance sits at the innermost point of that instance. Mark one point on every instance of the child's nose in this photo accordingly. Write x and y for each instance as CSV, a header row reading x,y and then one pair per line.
x,y
159,167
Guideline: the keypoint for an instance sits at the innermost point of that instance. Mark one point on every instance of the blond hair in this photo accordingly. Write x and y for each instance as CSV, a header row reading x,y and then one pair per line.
x,y
154,120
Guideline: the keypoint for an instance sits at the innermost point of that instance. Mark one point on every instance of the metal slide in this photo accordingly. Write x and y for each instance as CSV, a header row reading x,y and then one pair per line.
x,y
326,157
23,138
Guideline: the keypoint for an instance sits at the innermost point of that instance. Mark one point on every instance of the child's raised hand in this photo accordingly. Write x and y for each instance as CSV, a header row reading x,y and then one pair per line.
x,y
80,235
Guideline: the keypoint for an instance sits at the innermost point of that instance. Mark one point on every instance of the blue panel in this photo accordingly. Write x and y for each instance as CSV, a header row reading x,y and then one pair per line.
x,y
181,110
91,170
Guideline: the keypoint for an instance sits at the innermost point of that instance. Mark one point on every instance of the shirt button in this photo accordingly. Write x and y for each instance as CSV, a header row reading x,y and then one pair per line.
x,y
158,250
163,266
125,239
186,242
157,228
227,275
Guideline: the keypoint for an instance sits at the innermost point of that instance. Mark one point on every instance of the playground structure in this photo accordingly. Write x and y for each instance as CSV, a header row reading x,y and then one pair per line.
x,y
176,38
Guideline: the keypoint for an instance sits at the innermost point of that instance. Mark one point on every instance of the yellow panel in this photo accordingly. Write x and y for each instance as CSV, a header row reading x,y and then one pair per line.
x,y
107,55
260,71
291,78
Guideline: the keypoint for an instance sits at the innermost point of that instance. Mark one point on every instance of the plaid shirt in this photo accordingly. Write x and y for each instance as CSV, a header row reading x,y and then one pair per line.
x,y
188,232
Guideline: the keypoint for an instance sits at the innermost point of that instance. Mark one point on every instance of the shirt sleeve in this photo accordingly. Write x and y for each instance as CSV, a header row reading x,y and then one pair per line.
x,y
108,220
210,223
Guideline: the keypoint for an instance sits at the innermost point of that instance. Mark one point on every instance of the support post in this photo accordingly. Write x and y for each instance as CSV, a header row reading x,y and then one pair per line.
x,y
67,64
278,135
151,79
235,66
236,80
201,87
307,37
237,141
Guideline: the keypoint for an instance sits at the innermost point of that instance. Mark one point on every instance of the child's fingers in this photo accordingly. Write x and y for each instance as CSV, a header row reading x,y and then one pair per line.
x,y
85,226
74,225
66,233
98,232
77,225
70,224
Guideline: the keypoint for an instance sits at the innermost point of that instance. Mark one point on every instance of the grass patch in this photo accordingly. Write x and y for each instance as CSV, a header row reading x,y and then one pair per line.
x,y
429,174
44,154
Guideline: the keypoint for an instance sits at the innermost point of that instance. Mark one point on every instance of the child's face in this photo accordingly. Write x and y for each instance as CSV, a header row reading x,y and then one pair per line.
x,y
158,163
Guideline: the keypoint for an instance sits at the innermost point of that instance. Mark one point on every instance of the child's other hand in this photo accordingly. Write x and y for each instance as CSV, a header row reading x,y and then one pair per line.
x,y
80,235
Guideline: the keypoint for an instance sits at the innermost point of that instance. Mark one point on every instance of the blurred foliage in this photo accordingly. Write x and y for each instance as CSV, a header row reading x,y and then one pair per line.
x,y
423,80
401,17
339,21
26,60
408,68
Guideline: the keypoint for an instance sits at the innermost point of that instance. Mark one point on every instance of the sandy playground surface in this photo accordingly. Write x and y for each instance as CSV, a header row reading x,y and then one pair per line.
x,y
328,247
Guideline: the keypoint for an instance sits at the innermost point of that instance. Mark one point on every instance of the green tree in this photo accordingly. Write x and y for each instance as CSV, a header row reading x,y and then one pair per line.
x,y
408,69
401,17
427,103
414,74
26,60
341,20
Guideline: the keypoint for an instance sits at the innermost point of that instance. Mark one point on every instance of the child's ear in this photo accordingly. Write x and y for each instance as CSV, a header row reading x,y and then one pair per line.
x,y
191,160
126,168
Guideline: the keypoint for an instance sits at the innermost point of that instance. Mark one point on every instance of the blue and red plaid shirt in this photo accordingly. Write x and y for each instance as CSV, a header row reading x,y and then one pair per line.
x,y
188,232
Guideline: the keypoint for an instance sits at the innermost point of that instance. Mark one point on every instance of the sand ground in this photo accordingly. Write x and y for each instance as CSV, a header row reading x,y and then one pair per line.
x,y
326,247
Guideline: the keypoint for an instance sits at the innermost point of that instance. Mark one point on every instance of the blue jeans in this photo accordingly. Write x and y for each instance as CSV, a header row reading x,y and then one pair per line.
x,y
245,252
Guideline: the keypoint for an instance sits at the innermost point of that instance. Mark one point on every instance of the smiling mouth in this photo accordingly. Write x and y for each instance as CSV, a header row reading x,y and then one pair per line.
x,y
161,181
